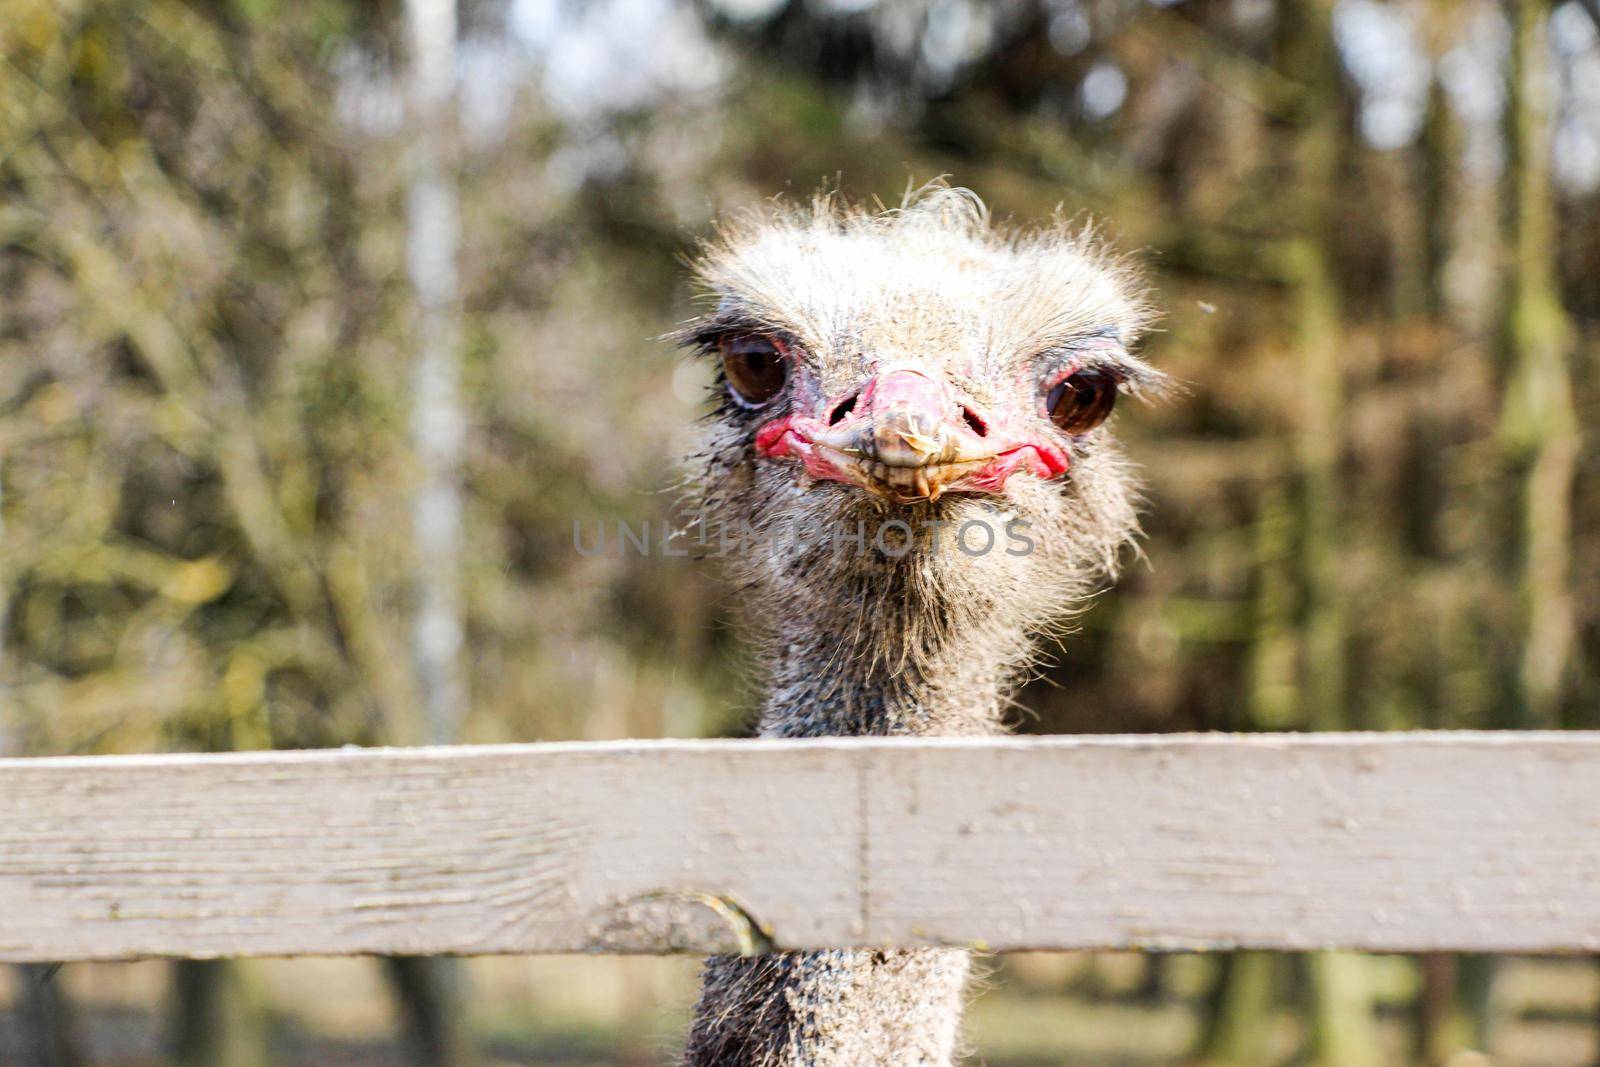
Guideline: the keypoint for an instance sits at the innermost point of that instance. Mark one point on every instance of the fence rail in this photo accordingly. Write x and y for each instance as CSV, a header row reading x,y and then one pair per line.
x,y
1466,841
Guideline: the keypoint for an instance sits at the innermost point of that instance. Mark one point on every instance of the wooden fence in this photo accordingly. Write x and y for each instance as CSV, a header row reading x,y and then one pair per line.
x,y
1469,841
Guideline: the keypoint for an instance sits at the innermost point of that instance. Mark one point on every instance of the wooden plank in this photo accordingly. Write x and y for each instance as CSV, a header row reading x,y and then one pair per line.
x,y
1381,842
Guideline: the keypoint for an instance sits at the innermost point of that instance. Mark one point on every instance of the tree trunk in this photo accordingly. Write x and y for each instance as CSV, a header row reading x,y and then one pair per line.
x,y
1442,1029
1238,1030
1343,1031
217,1019
1538,429
428,991
433,1032
1538,426
49,1022
436,417
1238,1015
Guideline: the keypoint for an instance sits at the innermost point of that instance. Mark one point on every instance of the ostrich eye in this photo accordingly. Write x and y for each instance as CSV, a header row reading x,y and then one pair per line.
x,y
754,368
1081,402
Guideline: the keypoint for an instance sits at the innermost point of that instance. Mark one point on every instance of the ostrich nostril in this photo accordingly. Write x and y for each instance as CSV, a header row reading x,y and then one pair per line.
x,y
975,421
845,407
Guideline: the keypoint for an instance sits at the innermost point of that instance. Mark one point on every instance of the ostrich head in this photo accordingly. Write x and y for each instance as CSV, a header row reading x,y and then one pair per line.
x,y
911,428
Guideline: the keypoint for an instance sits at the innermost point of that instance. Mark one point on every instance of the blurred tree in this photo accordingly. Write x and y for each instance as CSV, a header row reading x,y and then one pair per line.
x,y
429,990
53,1036
1343,1030
217,1017
1538,427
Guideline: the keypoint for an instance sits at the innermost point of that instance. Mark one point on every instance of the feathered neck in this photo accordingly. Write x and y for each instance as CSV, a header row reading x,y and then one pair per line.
x,y
824,684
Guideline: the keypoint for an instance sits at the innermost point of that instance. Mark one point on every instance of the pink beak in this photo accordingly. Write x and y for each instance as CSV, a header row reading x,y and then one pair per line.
x,y
908,437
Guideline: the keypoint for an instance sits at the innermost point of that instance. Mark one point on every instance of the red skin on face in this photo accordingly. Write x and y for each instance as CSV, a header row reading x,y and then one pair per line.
x,y
787,438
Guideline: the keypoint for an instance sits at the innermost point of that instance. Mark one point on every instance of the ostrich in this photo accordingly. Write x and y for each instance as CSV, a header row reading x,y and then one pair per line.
x,y
916,371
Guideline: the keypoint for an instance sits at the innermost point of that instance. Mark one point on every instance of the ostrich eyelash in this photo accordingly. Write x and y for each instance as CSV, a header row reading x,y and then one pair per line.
x,y
1101,350
703,338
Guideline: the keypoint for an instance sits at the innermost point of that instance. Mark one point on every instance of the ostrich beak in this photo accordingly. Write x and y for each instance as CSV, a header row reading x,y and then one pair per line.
x,y
908,437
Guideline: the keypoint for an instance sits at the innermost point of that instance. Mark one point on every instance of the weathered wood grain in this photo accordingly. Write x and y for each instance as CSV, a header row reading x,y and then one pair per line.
x,y
1383,842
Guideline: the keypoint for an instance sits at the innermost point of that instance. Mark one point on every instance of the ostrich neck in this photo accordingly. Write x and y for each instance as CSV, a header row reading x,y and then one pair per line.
x,y
821,685
857,1007
854,1007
